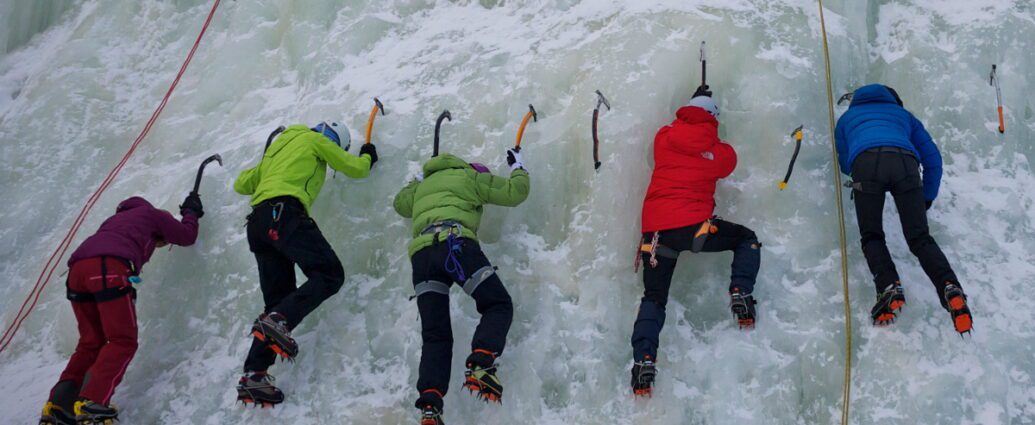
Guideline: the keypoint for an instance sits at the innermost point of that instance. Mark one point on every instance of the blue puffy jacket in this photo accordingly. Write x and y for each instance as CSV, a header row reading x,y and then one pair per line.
x,y
874,119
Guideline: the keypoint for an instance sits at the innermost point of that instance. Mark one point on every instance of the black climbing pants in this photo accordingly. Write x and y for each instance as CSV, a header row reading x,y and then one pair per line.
x,y
432,282
658,279
876,172
282,236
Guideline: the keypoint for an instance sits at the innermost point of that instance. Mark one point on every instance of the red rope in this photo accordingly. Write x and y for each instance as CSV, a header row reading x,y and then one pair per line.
x,y
55,258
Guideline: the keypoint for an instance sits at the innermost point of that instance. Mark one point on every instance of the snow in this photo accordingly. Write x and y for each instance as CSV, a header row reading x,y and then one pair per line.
x,y
79,79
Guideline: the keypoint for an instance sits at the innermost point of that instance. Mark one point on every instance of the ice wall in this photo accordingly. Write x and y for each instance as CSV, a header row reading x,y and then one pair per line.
x,y
74,95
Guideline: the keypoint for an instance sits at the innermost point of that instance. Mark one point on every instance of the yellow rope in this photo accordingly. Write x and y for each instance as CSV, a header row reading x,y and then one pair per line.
x,y
847,386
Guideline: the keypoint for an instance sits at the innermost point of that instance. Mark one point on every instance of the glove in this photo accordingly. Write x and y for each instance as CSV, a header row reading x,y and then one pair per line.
x,y
702,90
369,149
929,203
192,205
419,177
514,159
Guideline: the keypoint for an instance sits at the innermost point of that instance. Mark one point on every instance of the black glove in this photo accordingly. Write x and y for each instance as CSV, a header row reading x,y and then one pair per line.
x,y
369,149
192,204
702,90
929,203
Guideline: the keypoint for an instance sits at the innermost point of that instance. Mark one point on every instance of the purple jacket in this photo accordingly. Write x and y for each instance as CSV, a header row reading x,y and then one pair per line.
x,y
133,231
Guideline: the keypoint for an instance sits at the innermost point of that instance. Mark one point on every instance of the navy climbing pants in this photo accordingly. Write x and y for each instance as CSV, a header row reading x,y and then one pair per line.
x,y
875,173
432,282
658,279
279,244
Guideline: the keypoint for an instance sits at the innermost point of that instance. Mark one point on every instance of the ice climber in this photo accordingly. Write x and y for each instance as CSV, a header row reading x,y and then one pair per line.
x,y
282,234
101,275
883,147
445,203
678,216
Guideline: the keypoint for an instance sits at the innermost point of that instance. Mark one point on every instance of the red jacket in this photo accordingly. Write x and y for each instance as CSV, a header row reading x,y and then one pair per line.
x,y
688,159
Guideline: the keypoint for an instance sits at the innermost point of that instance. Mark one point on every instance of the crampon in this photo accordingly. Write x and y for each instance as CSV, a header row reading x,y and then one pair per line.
x,y
431,415
54,414
956,303
257,389
484,384
643,374
889,302
90,413
743,307
272,329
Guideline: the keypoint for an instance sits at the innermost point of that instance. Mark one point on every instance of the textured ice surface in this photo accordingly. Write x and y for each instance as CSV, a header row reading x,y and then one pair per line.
x,y
78,80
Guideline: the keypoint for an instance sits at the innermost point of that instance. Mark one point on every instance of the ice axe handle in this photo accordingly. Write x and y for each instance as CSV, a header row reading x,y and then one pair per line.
x,y
201,171
704,66
531,114
445,115
378,106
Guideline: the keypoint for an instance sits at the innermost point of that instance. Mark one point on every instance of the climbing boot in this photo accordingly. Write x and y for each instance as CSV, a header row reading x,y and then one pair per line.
x,y
273,330
257,388
430,405
56,415
889,302
743,307
481,376
643,374
956,303
90,413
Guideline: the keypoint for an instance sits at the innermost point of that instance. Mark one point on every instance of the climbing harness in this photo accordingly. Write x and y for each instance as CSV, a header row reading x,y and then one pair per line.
x,y
993,80
106,293
278,211
655,249
797,135
55,258
847,384
445,115
601,101
530,115
455,248
378,106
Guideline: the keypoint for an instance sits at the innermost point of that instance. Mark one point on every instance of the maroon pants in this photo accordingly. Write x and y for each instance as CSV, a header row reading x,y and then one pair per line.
x,y
107,330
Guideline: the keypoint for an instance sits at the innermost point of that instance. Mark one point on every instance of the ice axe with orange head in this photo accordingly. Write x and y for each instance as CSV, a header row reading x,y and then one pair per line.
x,y
530,115
378,106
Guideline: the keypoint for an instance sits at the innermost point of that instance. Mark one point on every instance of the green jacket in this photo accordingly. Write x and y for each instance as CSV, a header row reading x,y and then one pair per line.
x,y
296,165
453,191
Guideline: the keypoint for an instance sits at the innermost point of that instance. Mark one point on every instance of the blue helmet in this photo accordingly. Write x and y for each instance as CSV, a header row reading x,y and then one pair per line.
x,y
330,131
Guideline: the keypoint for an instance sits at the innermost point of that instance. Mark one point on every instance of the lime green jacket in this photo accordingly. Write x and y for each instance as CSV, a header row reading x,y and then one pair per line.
x,y
453,191
296,165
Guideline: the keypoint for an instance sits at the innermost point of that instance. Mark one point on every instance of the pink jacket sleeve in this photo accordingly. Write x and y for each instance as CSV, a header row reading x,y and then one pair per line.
x,y
182,232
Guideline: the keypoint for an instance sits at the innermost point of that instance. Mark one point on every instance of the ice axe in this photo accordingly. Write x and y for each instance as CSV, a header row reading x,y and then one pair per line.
x,y
797,135
378,106
601,101
201,171
269,140
993,80
445,115
847,97
530,115
704,66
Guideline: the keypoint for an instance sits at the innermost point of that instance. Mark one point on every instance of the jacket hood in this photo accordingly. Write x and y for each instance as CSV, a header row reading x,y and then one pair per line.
x,y
444,162
873,93
134,202
288,136
696,115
